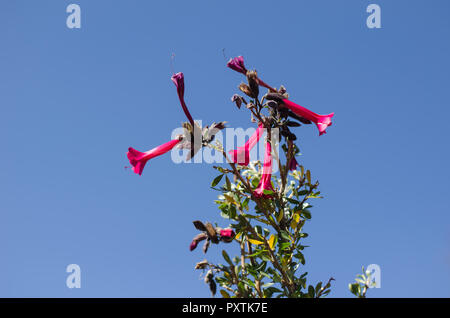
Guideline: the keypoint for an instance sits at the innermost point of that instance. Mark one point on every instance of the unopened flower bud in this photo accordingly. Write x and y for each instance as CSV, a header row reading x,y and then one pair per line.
x,y
238,100
253,82
198,238
227,235
237,64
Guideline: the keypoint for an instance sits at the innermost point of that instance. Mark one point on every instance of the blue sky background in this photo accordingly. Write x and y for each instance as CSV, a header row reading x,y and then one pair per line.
x,y
73,101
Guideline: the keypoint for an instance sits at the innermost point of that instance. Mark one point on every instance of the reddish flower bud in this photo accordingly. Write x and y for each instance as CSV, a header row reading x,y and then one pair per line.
x,y
237,64
198,238
193,245
227,235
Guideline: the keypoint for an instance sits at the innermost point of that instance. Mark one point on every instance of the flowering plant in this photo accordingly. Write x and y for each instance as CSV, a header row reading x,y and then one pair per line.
x,y
266,212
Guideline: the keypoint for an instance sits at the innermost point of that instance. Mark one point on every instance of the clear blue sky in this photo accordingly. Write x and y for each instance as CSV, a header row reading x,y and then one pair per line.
x,y
73,101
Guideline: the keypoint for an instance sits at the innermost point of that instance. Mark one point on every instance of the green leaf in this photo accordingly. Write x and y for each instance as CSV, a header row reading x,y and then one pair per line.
x,y
241,288
256,253
285,235
300,257
284,245
280,216
216,180
306,214
226,257
228,183
355,288
318,287
311,291
293,201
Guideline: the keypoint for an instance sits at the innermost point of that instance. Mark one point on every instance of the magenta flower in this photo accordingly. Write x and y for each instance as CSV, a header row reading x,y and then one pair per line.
x,y
292,164
237,64
265,183
241,155
321,121
178,80
227,233
139,159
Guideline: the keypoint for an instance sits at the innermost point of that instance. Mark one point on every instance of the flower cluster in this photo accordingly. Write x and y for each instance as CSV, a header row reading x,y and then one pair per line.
x,y
277,101
271,198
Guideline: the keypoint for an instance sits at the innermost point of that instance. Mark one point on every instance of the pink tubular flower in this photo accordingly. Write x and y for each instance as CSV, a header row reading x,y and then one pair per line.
x,y
265,182
321,121
241,155
178,80
139,159
237,64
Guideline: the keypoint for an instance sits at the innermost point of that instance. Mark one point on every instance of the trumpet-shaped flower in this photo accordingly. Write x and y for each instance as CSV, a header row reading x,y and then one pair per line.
x,y
321,121
139,159
178,80
241,155
265,183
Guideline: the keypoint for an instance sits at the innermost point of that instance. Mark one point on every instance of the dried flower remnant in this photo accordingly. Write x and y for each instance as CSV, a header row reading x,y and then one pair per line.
x,y
238,100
